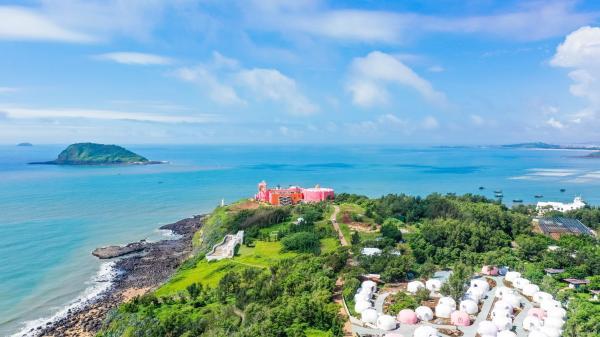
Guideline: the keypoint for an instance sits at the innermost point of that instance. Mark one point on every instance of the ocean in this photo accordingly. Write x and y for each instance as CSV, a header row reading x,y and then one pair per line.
x,y
52,217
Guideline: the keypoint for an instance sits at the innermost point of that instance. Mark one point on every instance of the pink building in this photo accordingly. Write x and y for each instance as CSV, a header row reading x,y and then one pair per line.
x,y
292,195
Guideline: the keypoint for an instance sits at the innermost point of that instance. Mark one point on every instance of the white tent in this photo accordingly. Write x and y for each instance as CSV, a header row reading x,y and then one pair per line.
x,y
426,331
531,323
424,313
386,322
369,316
556,313
549,304
514,300
556,323
475,294
469,306
502,323
414,286
530,289
480,283
512,275
362,296
433,285
551,331
503,291
506,333
487,328
520,282
541,296
449,301
501,313
370,286
537,333
443,310
503,304
361,306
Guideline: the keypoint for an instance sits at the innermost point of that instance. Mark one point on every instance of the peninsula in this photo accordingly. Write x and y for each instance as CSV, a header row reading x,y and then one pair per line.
x,y
97,154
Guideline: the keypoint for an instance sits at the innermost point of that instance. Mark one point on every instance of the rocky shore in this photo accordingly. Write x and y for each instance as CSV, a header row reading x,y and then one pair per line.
x,y
139,273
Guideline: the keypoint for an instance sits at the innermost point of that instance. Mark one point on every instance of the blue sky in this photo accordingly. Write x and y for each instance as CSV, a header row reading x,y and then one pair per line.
x,y
303,71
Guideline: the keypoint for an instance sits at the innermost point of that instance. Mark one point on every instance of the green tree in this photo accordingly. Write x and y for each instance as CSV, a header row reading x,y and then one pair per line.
x,y
355,240
457,282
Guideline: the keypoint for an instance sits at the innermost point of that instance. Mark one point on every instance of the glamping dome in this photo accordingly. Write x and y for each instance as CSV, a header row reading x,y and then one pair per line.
x,y
504,305
513,299
549,304
481,284
501,313
362,297
386,322
487,328
554,323
530,289
531,323
407,316
502,323
512,275
449,301
503,291
556,313
426,331
369,316
475,293
433,285
506,333
541,296
370,286
550,331
537,333
468,306
393,334
361,306
489,270
537,312
443,310
414,286
520,282
424,313
460,318
502,271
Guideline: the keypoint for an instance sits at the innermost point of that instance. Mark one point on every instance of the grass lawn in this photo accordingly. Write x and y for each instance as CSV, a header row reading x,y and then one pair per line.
x,y
317,333
329,245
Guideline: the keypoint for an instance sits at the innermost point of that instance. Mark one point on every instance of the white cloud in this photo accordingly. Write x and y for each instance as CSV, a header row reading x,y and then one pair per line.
x,y
135,58
204,77
553,122
436,69
8,90
580,51
370,75
477,120
430,123
45,113
18,23
272,85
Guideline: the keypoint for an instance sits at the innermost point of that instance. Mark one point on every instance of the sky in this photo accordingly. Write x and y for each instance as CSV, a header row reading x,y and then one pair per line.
x,y
299,71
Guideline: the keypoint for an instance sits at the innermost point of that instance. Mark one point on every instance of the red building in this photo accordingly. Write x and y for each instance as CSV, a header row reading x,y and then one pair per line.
x,y
292,195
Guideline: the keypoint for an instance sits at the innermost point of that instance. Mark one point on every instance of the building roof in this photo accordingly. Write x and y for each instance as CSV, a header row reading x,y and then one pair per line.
x,y
553,271
576,281
563,226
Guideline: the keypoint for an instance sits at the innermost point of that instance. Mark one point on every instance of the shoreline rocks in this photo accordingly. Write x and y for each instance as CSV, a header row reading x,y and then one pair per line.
x,y
139,273
110,252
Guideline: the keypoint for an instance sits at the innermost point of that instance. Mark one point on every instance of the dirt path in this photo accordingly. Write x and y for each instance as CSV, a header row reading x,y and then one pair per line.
x,y
336,226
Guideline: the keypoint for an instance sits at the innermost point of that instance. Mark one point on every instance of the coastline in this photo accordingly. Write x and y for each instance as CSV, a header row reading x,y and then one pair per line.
x,y
119,281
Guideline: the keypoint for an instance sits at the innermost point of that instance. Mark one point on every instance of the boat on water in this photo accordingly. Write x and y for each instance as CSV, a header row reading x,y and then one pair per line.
x,y
498,192
537,196
481,187
517,200
499,195
562,189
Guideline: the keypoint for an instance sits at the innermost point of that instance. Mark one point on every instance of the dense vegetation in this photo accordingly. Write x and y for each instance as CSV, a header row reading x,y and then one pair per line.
x,y
94,154
282,281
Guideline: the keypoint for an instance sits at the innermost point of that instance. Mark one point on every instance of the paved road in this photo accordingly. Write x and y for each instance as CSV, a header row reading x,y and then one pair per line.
x,y
336,226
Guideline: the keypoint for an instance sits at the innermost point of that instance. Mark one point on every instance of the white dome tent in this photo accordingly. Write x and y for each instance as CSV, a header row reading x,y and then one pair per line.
x,y
512,275
361,306
369,316
556,313
513,300
550,331
370,286
426,331
506,333
556,323
449,301
536,333
469,306
542,296
549,304
414,286
503,291
476,294
362,297
530,289
501,313
386,322
487,328
433,285
443,310
504,305
424,313
531,323
480,283
502,323
520,282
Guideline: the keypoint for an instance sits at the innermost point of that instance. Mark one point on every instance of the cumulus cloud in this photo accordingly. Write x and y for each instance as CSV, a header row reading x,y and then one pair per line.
x,y
204,77
580,52
430,123
370,76
477,120
8,90
135,58
46,113
553,122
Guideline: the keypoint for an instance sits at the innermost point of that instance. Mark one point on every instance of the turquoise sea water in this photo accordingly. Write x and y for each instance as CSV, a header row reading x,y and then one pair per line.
x,y
51,217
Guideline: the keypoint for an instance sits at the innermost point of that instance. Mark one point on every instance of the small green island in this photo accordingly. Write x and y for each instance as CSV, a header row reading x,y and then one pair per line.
x,y
98,154
593,155
25,144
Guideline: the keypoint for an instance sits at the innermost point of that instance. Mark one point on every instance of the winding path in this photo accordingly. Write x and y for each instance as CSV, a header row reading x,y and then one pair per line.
x,y
336,226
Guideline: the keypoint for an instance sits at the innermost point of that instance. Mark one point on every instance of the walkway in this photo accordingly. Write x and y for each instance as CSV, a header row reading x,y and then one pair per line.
x,y
336,226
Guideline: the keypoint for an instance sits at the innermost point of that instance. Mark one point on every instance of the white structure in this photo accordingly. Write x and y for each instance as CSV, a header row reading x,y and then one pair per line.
x,y
443,310
414,286
502,323
550,304
487,328
424,313
469,306
361,306
531,323
433,285
503,291
520,282
550,331
226,249
480,284
530,289
369,285
536,333
513,300
556,313
448,301
504,305
501,313
545,206
370,251
512,275
369,316
541,296
506,333
386,322
426,331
